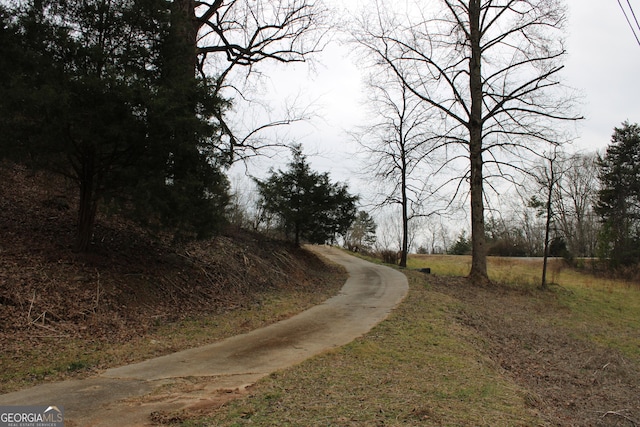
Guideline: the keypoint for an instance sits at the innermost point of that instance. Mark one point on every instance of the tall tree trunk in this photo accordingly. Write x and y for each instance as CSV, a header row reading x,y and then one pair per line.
x,y
296,235
181,137
179,73
182,50
547,229
478,271
405,215
88,203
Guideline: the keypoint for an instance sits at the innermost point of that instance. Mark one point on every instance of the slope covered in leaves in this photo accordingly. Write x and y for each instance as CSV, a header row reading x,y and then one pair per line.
x,y
132,281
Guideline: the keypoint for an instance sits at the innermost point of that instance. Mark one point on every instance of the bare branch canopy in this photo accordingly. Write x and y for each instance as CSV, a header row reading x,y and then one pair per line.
x,y
490,69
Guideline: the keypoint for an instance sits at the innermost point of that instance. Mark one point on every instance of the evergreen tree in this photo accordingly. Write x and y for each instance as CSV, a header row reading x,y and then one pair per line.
x,y
308,205
87,99
462,246
77,98
362,233
619,197
185,187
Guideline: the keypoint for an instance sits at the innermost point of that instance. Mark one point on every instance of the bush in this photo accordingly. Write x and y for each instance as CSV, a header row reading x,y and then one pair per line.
x,y
506,248
388,256
422,251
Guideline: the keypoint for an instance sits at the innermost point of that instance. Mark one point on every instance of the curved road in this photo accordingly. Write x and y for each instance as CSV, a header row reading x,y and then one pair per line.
x,y
200,377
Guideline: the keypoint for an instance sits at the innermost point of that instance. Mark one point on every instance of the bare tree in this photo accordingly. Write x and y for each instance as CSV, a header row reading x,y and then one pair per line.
x,y
514,232
395,148
548,177
214,38
573,181
532,226
438,236
576,196
488,68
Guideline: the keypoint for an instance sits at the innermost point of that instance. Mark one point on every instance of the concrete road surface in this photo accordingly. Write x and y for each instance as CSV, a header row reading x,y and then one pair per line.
x,y
200,378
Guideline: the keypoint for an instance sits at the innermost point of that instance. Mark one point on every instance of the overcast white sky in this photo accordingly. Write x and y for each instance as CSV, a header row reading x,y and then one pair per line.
x,y
603,65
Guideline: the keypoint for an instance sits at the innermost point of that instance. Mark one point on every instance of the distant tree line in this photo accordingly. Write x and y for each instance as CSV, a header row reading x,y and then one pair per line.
x,y
569,203
593,208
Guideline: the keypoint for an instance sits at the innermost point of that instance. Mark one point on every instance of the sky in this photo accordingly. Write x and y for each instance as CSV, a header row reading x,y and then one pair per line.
x,y
602,65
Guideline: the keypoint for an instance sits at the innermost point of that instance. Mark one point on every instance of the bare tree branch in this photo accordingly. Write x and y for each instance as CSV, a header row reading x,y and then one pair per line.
x,y
232,38
490,69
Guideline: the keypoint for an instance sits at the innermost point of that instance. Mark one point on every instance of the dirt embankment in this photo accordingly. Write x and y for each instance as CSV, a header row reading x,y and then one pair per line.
x,y
130,282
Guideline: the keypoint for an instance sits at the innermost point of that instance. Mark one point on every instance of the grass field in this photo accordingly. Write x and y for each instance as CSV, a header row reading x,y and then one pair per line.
x,y
608,309
509,271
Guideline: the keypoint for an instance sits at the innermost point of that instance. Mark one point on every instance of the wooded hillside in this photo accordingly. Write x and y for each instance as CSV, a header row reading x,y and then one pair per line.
x,y
131,281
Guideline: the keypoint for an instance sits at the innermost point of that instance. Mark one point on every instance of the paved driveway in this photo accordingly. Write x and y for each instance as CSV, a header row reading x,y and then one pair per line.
x,y
204,376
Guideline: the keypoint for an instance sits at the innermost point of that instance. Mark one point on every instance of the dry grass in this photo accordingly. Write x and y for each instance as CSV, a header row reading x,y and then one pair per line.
x,y
605,309
417,368
457,355
507,271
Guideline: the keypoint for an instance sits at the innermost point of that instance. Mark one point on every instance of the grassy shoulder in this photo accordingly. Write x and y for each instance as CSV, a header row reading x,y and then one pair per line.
x,y
454,354
419,367
599,309
44,357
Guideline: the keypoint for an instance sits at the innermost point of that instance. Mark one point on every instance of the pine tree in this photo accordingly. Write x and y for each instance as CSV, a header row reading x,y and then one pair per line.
x,y
362,233
619,197
308,205
79,94
89,99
